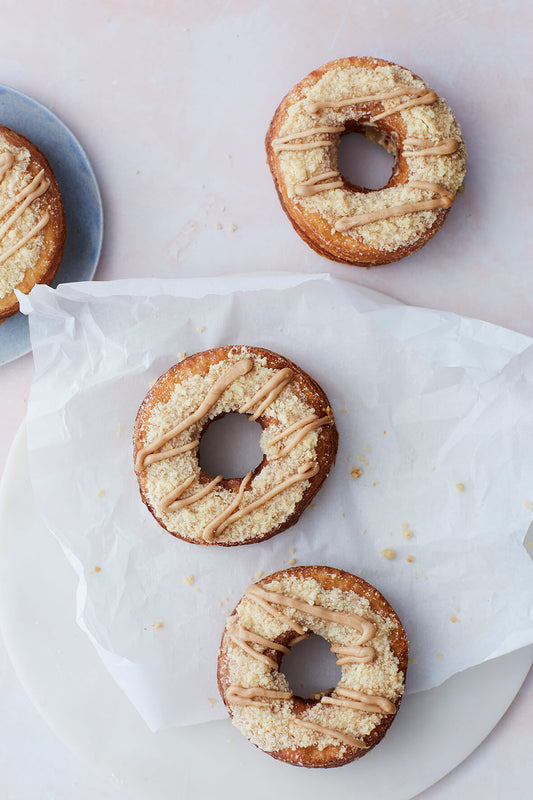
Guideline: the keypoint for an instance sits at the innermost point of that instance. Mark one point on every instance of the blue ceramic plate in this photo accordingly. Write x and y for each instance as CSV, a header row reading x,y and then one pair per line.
x,y
81,200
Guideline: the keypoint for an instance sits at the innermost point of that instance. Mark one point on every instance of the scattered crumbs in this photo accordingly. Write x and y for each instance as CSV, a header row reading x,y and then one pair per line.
x,y
181,355
406,531
368,448
292,551
411,660
157,625
218,226
219,604
460,487
363,459
389,554
440,655
188,580
120,429
356,472
197,589
528,505
212,701
384,432
233,228
100,493
363,531
200,328
398,349
259,574
280,330
375,483
228,740
96,570
137,171
343,408
291,562
453,618
432,469
410,559
341,515
312,507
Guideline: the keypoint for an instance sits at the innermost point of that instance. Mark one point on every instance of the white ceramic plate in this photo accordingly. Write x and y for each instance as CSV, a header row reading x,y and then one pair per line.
x,y
81,201
66,681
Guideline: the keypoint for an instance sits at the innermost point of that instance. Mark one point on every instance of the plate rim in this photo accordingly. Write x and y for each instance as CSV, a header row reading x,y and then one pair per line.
x,y
23,334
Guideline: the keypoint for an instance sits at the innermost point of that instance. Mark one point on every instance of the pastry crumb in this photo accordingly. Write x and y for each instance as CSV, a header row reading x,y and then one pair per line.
x,y
200,328
233,228
460,487
356,472
259,574
291,562
212,701
157,625
388,553
406,531
100,493
453,618
341,515
375,483
440,655
218,226
528,505
181,355
363,530
410,559
344,408
96,570
188,580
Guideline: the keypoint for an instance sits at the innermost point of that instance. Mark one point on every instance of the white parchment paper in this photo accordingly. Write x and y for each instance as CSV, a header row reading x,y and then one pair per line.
x,y
435,420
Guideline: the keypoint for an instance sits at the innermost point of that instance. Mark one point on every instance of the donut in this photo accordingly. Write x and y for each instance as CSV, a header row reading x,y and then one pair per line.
x,y
32,221
333,727
392,107
298,441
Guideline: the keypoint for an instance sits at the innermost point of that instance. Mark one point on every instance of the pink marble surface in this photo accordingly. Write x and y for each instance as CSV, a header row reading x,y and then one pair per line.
x,y
171,101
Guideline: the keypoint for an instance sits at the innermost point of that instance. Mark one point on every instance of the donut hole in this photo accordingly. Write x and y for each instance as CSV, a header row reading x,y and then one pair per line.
x,y
366,158
230,446
311,668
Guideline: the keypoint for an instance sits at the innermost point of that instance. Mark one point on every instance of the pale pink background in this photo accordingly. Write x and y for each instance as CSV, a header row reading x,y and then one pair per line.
x,y
171,101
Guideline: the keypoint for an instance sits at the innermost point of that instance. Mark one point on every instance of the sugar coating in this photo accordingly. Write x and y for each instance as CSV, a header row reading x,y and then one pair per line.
x,y
13,270
272,728
434,122
164,476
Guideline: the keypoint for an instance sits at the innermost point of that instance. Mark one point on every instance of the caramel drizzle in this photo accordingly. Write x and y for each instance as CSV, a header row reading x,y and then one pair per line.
x,y
444,199
420,97
7,160
366,629
353,654
171,503
313,186
222,520
350,698
213,395
267,393
303,473
280,143
238,696
425,147
343,737
175,451
33,190
300,430
243,635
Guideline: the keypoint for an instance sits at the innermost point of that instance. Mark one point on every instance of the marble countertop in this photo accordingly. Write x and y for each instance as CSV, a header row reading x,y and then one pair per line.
x,y
171,101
